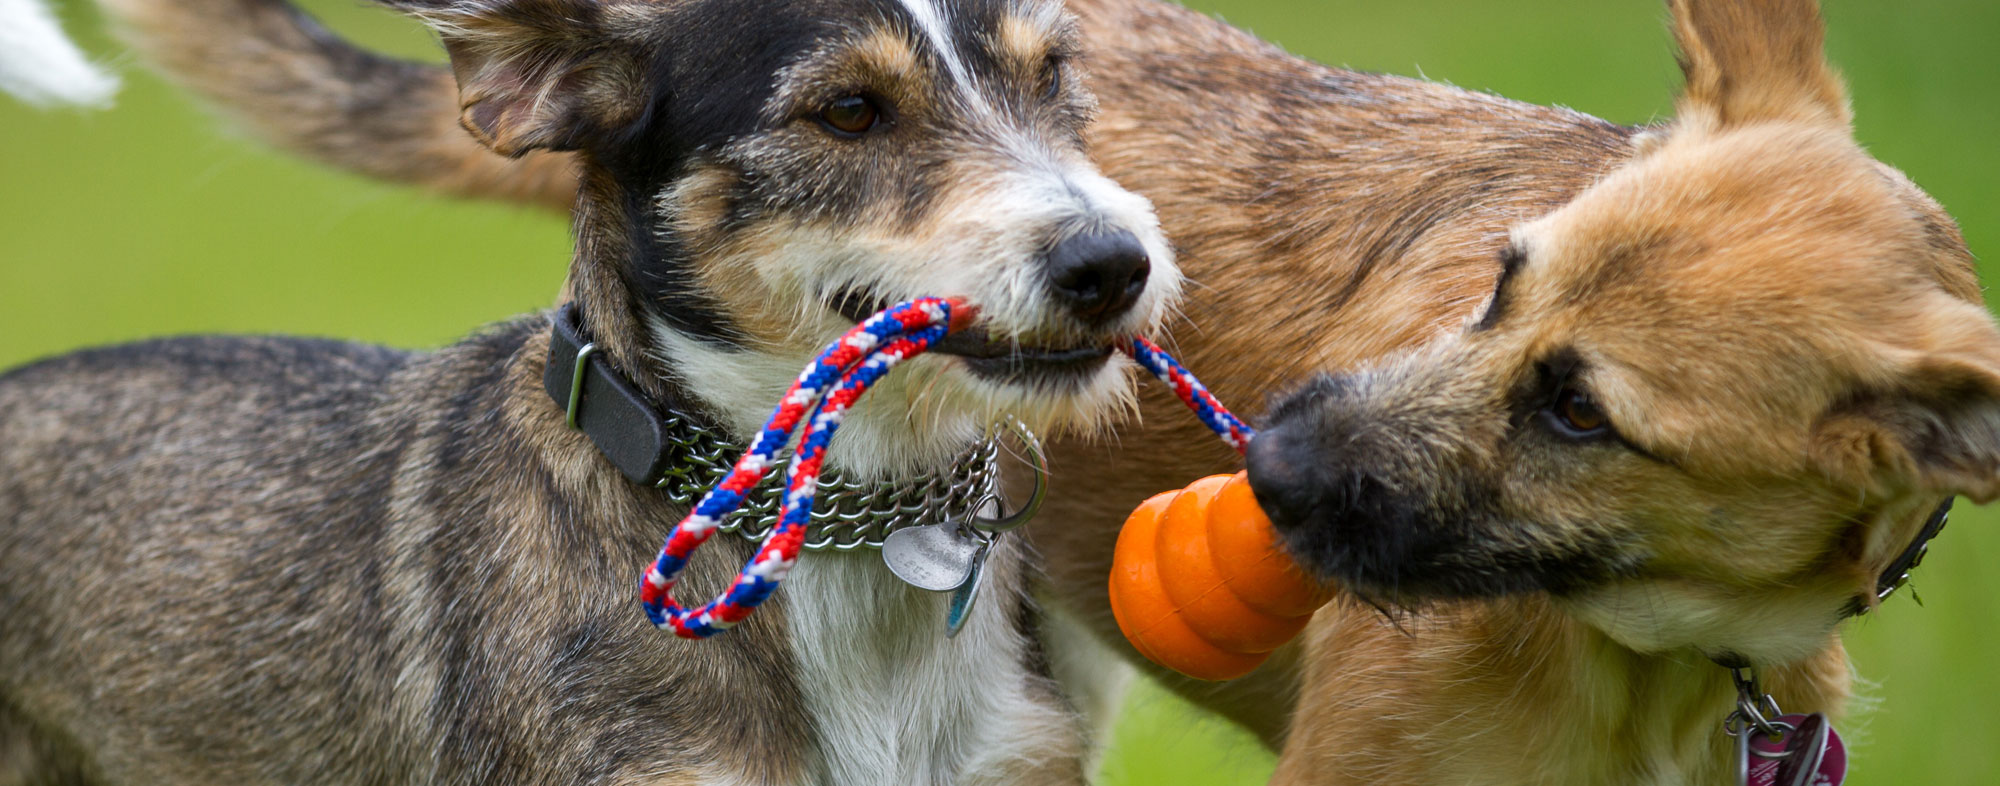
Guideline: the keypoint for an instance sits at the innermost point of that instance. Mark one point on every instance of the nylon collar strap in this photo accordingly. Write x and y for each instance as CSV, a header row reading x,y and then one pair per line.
x,y
624,424
1898,572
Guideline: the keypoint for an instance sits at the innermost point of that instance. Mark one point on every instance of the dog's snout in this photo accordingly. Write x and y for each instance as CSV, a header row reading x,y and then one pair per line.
x,y
1324,482
1098,275
1282,477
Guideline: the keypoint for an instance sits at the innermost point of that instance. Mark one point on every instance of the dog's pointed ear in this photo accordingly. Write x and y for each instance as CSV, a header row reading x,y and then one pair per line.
x,y
545,74
1931,427
1749,61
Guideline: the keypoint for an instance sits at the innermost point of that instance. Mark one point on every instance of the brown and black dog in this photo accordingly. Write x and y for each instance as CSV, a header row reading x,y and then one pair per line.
x,y
1734,363
281,561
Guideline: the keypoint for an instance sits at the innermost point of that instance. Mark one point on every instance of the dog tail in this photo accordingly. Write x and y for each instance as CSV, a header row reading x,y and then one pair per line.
x,y
39,65
283,77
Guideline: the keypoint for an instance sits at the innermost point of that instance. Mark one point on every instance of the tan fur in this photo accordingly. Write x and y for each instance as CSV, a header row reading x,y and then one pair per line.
x,y
1354,218
890,53
1025,40
1354,233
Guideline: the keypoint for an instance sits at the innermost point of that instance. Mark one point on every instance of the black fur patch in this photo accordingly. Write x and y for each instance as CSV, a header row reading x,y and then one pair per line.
x,y
1511,259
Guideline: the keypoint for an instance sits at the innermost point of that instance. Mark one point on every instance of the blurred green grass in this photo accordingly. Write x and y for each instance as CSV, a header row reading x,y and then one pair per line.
x,y
147,220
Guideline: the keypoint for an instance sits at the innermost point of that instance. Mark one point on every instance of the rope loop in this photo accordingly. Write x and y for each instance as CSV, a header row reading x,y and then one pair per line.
x,y
819,399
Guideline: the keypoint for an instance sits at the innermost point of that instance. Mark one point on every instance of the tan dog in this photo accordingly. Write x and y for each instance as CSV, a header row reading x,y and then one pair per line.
x,y
1710,404
1775,334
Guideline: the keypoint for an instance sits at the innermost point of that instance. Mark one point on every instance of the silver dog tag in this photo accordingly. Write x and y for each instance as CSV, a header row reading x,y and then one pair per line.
x,y
936,557
967,593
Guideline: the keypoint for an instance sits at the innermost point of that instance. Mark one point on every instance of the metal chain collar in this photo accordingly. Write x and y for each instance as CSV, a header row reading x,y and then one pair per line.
x,y
847,514
1755,710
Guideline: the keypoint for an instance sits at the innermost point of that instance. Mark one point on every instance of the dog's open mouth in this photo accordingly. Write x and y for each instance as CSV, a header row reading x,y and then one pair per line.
x,y
996,358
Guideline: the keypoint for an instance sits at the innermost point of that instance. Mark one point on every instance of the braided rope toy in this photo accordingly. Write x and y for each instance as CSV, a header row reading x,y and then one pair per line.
x,y
1191,392
818,400
827,387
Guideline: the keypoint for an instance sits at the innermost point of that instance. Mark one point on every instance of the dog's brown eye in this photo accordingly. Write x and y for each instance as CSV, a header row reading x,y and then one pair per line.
x,y
851,116
1578,413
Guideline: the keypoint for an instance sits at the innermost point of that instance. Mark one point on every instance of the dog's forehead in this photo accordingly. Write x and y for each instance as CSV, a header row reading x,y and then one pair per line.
x,y
1778,230
757,35
971,42
720,60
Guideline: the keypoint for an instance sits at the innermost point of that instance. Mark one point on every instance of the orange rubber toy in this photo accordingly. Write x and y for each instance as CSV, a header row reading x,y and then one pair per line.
x,y
1200,585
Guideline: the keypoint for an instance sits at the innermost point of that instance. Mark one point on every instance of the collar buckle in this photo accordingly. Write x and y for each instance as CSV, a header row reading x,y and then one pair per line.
x,y
582,362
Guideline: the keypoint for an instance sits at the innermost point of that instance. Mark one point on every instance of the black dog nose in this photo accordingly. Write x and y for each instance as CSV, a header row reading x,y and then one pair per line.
x,y
1283,478
1098,275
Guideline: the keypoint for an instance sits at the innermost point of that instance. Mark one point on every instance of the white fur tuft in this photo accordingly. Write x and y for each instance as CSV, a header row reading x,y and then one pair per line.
x,y
39,65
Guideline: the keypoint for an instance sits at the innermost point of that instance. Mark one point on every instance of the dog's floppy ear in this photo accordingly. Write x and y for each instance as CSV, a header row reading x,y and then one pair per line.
x,y
1750,61
1933,426
545,74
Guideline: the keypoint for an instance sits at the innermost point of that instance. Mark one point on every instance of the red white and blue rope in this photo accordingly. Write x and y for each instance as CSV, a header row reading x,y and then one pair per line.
x,y
818,401
825,390
1191,392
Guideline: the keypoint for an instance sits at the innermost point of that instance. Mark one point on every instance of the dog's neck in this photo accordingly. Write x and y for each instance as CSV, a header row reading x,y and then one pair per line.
x,y
1673,702
1530,694
1656,717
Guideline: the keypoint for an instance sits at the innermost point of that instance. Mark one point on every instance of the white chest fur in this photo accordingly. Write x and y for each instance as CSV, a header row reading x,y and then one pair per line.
x,y
893,701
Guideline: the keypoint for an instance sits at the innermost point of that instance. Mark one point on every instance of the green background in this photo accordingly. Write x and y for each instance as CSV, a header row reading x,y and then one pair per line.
x,y
149,220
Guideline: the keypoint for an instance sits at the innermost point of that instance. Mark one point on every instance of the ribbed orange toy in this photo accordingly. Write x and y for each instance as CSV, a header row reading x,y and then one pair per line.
x,y
1200,585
